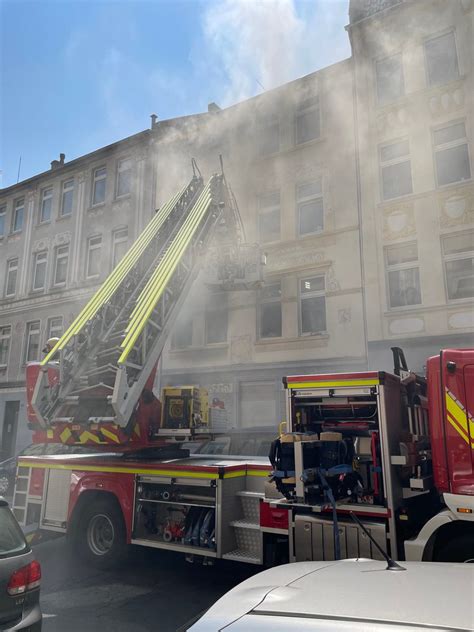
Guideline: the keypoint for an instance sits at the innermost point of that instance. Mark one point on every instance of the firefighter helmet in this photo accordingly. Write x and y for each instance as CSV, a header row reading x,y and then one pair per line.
x,y
50,344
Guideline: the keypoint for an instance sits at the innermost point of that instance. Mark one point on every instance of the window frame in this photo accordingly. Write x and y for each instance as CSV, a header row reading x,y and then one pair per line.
x,y
63,192
305,109
49,332
431,38
450,145
58,256
264,124
96,179
116,241
378,61
3,214
36,255
267,210
467,254
265,301
3,337
88,251
28,333
179,326
305,200
118,171
212,308
392,162
44,191
407,265
313,294
8,269
16,207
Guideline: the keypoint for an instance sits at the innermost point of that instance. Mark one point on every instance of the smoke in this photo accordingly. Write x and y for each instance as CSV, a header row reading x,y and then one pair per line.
x,y
253,46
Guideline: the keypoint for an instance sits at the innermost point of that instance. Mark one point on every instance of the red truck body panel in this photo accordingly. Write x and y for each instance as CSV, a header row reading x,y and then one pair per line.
x,y
118,484
451,408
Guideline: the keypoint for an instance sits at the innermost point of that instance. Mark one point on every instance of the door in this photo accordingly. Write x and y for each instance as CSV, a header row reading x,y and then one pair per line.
x,y
10,426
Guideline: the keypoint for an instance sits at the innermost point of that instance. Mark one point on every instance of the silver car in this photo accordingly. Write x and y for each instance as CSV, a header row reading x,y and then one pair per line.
x,y
350,596
20,576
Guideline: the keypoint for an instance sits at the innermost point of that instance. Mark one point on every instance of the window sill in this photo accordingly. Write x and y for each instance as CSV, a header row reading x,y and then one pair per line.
x,y
45,223
96,207
263,342
210,347
289,150
443,187
122,198
61,218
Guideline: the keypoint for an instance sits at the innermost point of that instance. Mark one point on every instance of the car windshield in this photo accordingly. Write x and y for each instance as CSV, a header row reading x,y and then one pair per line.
x,y
12,540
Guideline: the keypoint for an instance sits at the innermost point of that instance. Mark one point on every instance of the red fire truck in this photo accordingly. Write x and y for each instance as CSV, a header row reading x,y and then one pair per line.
x,y
395,450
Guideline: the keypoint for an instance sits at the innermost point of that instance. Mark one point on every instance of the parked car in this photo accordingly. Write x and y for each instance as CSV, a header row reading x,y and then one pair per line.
x,y
20,576
348,596
8,466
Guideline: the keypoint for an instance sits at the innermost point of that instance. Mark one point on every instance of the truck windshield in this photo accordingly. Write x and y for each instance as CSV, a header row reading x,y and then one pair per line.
x,y
12,540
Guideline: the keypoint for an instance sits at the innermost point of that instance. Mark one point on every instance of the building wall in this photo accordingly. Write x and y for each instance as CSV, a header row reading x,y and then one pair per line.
x,y
262,159
305,164
120,215
435,95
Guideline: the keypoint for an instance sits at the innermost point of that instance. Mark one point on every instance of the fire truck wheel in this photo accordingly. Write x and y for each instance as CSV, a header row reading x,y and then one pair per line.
x,y
100,534
458,549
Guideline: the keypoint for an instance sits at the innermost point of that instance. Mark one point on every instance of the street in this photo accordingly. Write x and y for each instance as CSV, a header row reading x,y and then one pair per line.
x,y
154,590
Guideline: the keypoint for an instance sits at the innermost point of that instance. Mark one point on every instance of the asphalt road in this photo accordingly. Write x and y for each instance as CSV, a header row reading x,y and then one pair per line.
x,y
155,590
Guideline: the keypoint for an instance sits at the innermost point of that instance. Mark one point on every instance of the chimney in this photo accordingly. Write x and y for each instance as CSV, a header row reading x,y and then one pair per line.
x,y
55,164
213,108
153,120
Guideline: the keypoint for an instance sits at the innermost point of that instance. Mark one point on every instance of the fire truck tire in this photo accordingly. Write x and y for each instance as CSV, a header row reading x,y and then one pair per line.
x,y
458,549
100,537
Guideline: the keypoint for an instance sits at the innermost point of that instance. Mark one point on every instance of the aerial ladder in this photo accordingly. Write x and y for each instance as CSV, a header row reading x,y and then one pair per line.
x,y
88,386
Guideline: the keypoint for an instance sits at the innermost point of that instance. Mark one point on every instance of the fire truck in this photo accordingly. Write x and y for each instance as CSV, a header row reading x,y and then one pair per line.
x,y
394,451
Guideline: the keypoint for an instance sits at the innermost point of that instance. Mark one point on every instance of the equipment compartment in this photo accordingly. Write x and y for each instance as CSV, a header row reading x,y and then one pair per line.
x,y
178,516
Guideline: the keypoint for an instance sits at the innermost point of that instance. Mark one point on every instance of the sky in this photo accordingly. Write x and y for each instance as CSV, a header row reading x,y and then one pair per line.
x,y
80,74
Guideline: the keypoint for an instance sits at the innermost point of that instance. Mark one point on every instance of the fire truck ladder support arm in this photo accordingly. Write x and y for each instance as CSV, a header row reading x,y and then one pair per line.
x,y
110,349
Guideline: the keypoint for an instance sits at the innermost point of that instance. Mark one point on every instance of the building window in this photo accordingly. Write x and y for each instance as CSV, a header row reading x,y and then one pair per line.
x,y
269,135
32,341
67,197
269,217
451,154
39,270
441,59
3,212
46,205
99,184
258,404
389,77
183,334
458,251
269,311
94,247
124,177
119,245
403,275
61,264
5,338
312,305
55,327
18,213
395,166
11,277
308,123
216,319
309,200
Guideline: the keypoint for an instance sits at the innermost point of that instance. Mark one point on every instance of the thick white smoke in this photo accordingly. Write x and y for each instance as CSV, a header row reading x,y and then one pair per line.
x,y
256,44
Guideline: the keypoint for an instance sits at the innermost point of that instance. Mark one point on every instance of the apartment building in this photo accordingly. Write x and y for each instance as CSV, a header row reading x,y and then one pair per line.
x,y
357,182
61,232
414,83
